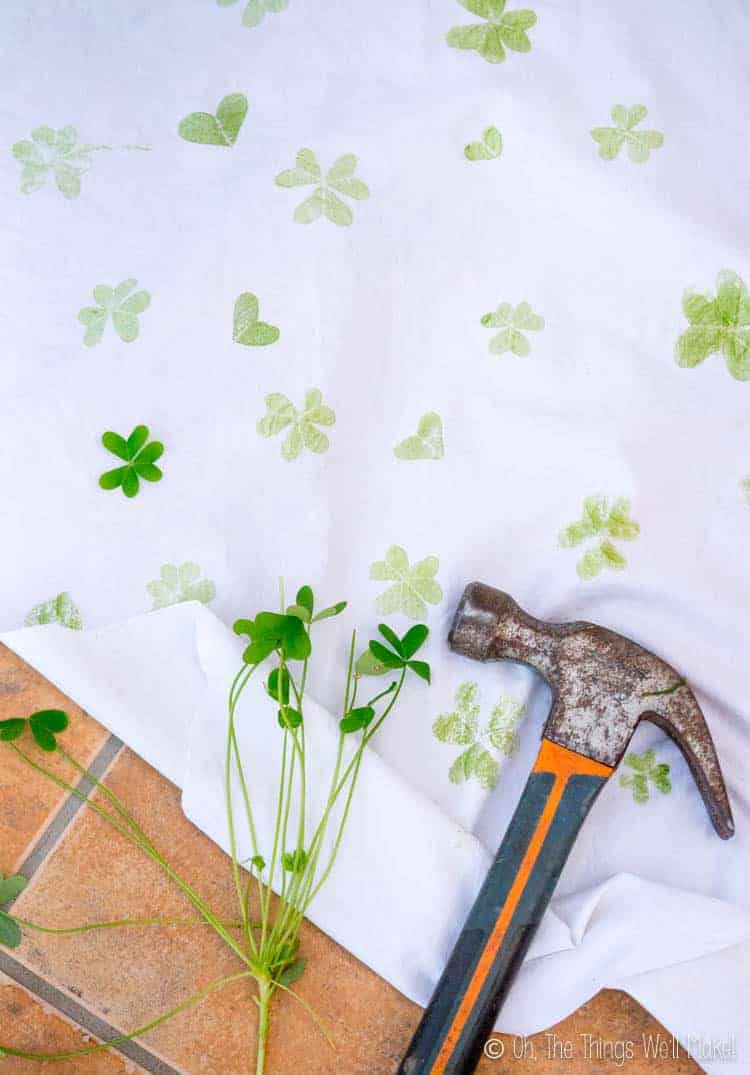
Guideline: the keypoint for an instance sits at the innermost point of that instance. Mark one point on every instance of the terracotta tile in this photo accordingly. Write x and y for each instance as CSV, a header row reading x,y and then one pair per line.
x,y
34,1026
28,805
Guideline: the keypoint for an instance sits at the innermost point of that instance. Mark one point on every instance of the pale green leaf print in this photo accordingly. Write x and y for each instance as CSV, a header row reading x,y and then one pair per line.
x,y
501,30
511,320
461,727
57,154
719,324
247,329
487,149
122,303
256,10
180,583
414,587
303,434
427,443
640,143
324,200
745,486
603,521
216,130
61,609
645,771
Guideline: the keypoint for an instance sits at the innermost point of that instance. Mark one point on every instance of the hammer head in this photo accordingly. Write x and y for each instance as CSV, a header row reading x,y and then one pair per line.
x,y
603,685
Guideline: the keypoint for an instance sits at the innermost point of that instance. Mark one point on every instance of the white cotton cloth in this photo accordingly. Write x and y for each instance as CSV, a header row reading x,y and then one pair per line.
x,y
384,317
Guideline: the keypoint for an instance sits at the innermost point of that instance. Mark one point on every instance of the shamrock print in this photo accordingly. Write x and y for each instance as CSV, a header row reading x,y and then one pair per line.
x,y
219,130
461,728
10,889
119,304
640,143
599,519
56,153
247,329
511,319
281,413
427,442
177,584
490,146
60,609
256,10
718,325
339,178
412,586
745,487
501,29
645,771
140,458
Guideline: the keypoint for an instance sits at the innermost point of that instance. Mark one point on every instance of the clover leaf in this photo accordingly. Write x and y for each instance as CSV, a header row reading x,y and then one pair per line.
x,y
122,304
248,330
487,149
44,726
339,179
294,861
256,10
177,584
461,727
719,324
216,130
10,889
640,143
379,659
600,519
140,458
645,771
53,153
281,414
273,632
427,443
511,319
412,585
61,609
502,29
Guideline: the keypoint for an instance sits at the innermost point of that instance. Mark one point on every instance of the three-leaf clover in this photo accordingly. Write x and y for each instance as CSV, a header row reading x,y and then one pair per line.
x,y
645,770
461,728
339,179
247,329
178,584
61,609
511,319
488,149
640,143
120,303
44,726
56,153
412,586
378,659
281,413
600,519
718,325
219,130
140,460
256,10
427,442
501,29
10,889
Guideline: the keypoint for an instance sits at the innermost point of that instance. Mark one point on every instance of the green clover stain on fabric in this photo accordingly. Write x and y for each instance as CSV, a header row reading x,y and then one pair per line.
x,y
180,583
719,324
489,148
511,320
599,519
140,458
501,30
56,153
247,329
640,143
427,442
281,414
256,10
122,304
216,130
645,771
413,586
339,179
461,728
61,609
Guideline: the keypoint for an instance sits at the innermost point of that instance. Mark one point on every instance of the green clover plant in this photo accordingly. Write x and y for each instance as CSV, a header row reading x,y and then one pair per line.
x,y
645,771
339,179
303,425
140,458
500,30
122,304
605,521
640,143
10,889
511,319
412,587
256,10
461,728
719,325
61,609
176,584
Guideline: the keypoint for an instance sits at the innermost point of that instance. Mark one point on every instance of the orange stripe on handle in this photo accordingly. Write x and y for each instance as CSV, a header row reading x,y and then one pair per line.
x,y
564,763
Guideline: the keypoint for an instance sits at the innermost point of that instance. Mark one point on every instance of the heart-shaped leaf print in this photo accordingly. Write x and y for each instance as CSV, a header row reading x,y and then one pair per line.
x,y
428,441
219,130
248,330
489,148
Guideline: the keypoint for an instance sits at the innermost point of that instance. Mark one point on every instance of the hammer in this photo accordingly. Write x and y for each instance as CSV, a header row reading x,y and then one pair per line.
x,y
603,685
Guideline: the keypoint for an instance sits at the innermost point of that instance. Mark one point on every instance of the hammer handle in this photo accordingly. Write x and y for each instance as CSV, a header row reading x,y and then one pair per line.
x,y
558,795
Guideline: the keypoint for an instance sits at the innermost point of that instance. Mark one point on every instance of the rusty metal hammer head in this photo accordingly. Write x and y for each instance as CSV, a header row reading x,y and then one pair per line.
x,y
603,685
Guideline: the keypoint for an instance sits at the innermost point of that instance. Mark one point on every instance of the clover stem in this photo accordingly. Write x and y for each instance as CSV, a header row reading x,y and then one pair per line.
x,y
122,922
263,1000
